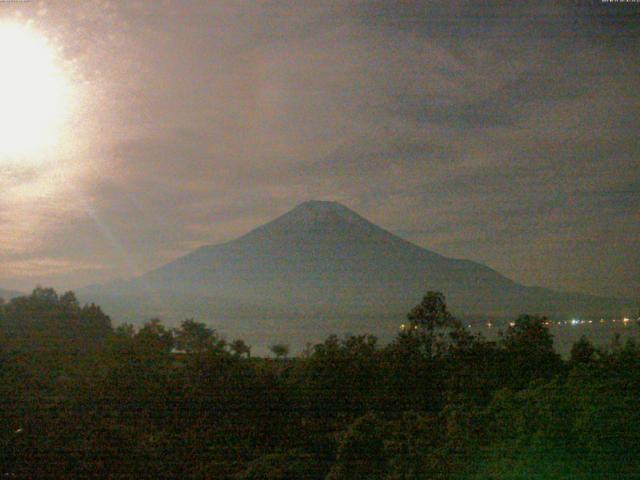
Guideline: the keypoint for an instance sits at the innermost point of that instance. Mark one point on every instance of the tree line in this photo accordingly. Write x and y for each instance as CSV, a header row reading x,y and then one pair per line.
x,y
81,398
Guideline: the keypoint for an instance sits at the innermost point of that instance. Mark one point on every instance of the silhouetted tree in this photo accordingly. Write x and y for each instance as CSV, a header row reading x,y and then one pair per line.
x,y
431,320
528,346
195,337
125,330
280,350
69,300
582,351
239,347
431,313
361,450
154,337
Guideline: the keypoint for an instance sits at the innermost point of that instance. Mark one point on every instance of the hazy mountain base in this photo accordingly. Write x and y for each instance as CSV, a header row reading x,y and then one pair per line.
x,y
261,326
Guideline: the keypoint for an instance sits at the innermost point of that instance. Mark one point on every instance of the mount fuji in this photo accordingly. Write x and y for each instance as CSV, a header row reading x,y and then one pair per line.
x,y
325,263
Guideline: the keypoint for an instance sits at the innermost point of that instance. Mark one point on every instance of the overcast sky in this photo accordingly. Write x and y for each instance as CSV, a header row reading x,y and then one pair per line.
x,y
506,135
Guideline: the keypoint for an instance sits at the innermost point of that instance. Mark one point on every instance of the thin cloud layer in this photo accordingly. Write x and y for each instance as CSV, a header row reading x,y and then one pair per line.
x,y
503,134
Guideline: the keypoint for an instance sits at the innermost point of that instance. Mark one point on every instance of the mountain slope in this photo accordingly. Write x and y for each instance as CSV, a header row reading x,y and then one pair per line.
x,y
322,258
320,255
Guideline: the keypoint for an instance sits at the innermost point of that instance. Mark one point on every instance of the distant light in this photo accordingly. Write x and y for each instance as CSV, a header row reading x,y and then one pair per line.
x,y
575,322
625,320
34,93
402,327
489,324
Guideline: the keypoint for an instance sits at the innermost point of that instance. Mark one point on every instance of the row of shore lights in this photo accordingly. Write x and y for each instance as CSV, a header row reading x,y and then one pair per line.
x,y
624,321
574,321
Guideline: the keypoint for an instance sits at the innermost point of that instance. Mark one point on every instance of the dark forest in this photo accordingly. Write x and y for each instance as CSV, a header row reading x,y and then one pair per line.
x,y
84,399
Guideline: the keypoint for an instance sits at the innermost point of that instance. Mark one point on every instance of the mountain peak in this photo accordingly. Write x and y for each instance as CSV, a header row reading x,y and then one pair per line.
x,y
321,205
314,211
318,216
318,207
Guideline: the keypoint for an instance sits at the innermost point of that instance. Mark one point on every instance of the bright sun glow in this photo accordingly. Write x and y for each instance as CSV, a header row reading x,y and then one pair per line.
x,y
34,94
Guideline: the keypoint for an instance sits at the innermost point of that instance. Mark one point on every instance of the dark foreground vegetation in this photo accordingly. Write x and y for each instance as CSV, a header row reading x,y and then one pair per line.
x,y
81,399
